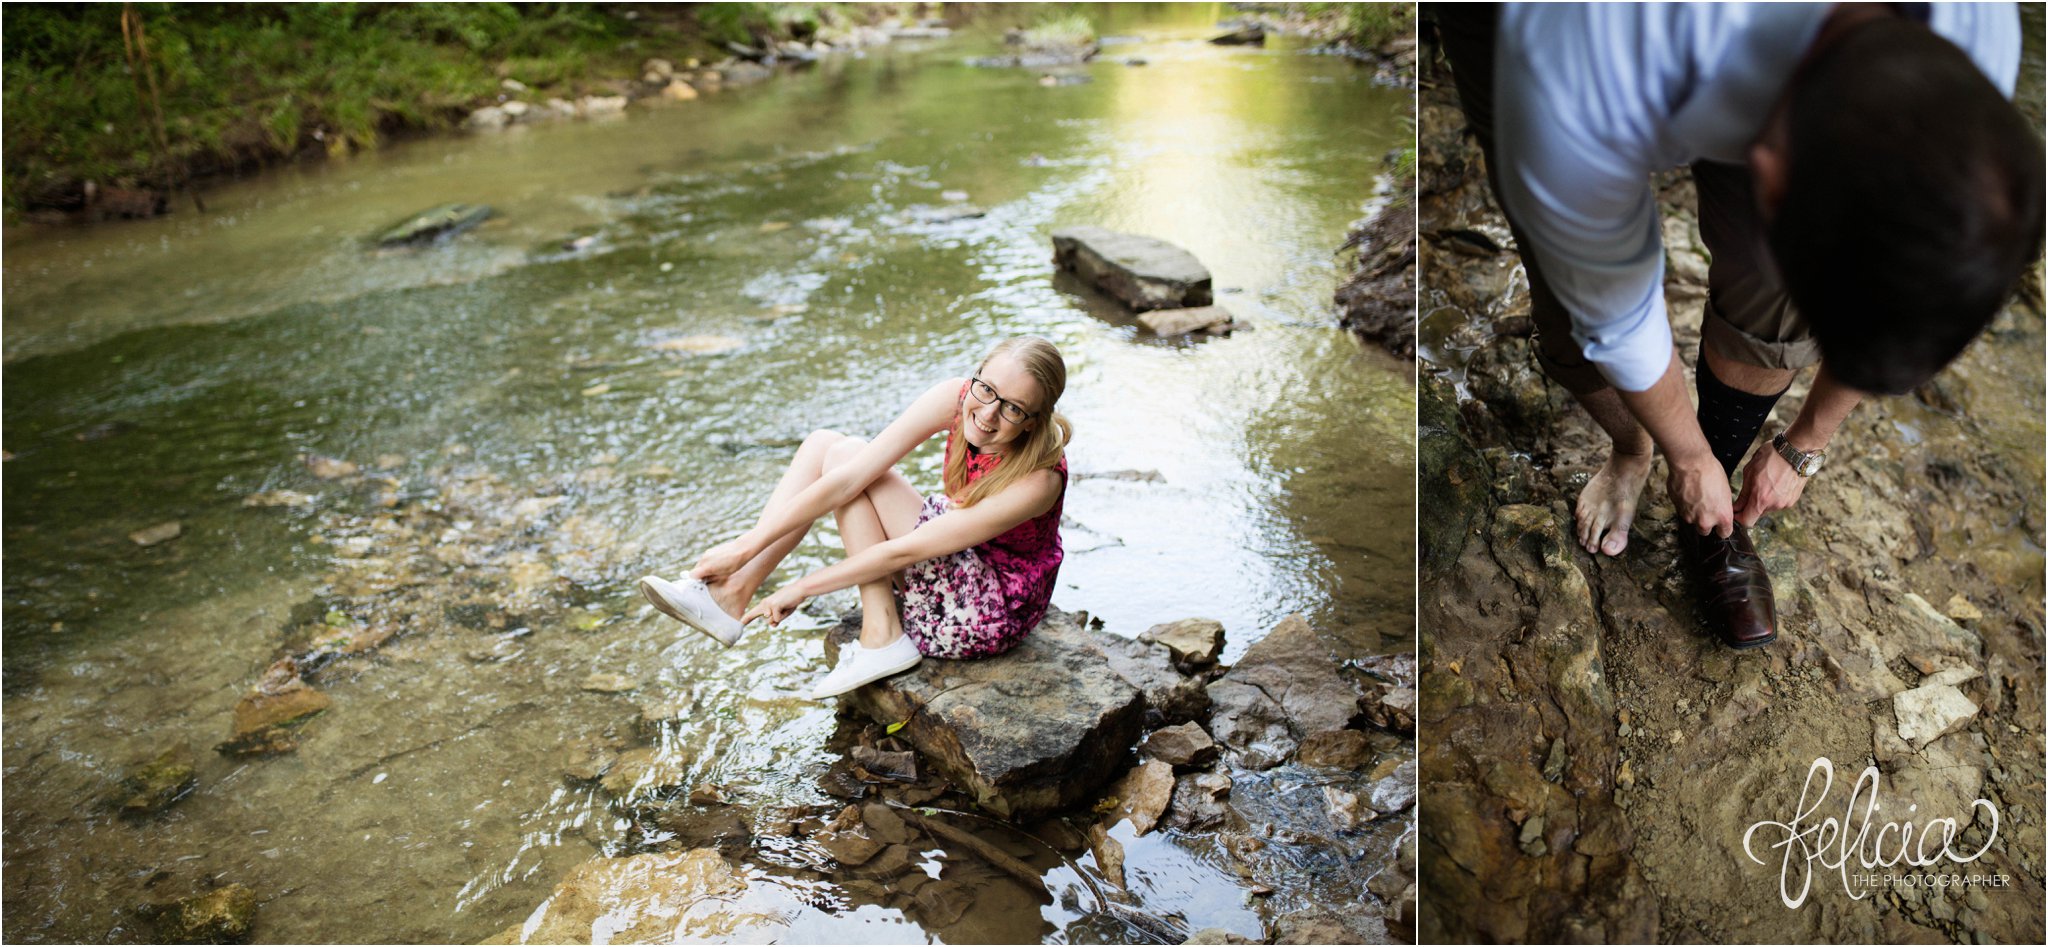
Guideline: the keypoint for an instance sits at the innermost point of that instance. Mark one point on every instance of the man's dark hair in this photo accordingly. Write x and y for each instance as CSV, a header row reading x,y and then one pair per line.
x,y
1911,207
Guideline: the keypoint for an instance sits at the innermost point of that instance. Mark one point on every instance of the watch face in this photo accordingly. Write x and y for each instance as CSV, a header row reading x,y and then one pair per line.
x,y
1809,465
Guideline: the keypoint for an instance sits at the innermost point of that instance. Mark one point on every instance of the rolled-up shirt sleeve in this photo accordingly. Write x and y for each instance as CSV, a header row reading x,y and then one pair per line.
x,y
1572,174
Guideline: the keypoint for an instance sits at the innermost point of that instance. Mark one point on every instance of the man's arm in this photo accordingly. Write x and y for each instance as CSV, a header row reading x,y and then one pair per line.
x,y
1769,483
1699,487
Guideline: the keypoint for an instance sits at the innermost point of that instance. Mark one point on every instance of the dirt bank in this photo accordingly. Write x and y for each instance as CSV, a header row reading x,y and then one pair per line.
x,y
1594,757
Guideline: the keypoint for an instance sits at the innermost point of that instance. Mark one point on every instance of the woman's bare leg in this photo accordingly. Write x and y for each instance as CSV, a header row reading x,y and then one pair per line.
x,y
735,592
886,510
821,451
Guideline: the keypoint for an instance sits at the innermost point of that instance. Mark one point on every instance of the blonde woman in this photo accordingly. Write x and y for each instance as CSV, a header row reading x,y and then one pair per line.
x,y
971,567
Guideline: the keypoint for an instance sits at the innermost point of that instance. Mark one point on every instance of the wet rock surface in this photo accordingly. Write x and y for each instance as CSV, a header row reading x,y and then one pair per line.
x,y
1143,272
1026,732
1595,756
640,899
225,915
154,785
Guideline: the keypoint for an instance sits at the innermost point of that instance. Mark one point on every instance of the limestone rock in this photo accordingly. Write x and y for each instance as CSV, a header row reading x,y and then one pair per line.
x,y
225,915
1195,642
605,682
1249,36
1170,322
1198,801
1142,795
1032,730
1182,746
1336,749
1286,688
1143,272
647,771
653,898
266,716
154,785
1109,854
1396,791
161,532
1931,711
1150,668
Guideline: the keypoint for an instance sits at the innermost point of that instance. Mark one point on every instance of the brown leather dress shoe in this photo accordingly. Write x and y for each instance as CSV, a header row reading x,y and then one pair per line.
x,y
1734,589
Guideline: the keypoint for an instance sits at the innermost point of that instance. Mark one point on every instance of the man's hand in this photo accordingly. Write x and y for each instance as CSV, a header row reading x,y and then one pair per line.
x,y
1699,488
1769,484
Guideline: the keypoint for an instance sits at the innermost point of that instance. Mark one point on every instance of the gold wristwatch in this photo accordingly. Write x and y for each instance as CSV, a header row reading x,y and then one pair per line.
x,y
1804,462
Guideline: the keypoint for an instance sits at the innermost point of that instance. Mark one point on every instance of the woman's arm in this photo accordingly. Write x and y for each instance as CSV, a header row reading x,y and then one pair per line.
x,y
926,416
955,530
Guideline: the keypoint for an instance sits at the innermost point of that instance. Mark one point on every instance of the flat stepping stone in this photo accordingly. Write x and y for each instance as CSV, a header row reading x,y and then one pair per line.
x,y
1142,272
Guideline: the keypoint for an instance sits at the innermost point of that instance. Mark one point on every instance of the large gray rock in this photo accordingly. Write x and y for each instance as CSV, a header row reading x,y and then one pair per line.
x,y
1035,729
1142,272
1286,689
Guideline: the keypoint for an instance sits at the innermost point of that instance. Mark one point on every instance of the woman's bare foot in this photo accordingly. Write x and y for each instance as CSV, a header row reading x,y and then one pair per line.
x,y
1607,506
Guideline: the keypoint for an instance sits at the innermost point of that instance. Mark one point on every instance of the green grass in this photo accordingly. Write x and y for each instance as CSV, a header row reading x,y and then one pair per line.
x,y
1071,29
1368,25
243,84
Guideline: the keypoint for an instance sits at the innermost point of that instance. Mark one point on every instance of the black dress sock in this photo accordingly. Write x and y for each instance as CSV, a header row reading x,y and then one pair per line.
x,y
1730,418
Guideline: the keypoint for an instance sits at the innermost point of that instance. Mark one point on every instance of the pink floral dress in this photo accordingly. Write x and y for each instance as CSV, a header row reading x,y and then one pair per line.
x,y
983,600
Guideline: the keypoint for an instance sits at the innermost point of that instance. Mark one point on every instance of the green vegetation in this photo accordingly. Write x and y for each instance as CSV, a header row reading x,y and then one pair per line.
x,y
246,84
1060,30
1368,25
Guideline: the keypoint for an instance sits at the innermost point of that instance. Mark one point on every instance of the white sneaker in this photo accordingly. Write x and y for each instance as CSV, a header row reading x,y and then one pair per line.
x,y
860,665
688,600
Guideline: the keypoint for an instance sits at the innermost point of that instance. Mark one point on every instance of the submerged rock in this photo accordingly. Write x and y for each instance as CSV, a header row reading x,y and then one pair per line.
x,y
1249,36
154,785
161,532
268,717
434,224
1032,730
1214,320
224,915
644,899
1143,272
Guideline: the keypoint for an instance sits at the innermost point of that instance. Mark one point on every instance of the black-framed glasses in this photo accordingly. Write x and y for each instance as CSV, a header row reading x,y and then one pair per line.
x,y
1010,410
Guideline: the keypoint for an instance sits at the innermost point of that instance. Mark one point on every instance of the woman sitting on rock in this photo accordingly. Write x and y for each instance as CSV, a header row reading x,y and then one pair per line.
x,y
973,565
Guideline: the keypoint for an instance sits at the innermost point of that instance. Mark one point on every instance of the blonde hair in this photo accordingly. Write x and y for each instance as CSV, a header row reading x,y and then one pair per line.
x,y
1038,448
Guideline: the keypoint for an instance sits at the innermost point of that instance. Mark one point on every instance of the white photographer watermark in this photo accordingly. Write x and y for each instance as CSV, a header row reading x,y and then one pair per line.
x,y
1864,851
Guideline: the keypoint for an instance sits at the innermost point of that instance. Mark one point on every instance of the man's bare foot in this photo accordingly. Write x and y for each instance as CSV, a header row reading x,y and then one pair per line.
x,y
1607,507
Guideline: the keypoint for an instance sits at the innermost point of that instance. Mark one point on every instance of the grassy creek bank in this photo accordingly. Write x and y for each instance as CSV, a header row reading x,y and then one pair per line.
x,y
1596,756
112,107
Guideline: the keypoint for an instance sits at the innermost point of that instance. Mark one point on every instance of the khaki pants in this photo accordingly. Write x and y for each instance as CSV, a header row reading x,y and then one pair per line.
x,y
1748,317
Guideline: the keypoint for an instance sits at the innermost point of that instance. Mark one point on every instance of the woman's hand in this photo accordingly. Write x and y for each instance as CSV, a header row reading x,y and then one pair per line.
x,y
776,607
721,560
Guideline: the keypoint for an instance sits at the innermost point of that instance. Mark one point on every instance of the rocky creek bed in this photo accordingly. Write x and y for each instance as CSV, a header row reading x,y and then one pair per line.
x,y
958,794
1594,757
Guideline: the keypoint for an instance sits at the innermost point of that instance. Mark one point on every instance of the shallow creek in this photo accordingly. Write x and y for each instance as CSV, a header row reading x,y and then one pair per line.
x,y
527,414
